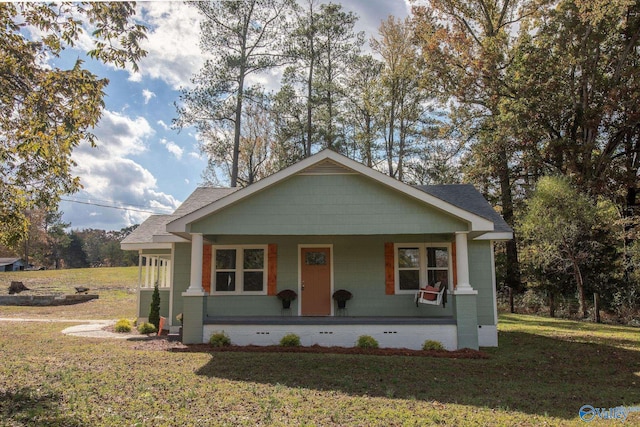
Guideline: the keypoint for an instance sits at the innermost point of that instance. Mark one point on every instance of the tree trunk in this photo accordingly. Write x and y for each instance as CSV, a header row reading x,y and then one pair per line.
x,y
312,56
236,131
552,305
512,307
512,277
580,285
596,307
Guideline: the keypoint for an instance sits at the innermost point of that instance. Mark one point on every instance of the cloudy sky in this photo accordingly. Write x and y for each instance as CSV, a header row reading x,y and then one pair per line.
x,y
141,163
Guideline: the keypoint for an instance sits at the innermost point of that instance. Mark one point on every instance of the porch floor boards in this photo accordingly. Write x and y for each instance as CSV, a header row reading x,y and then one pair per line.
x,y
326,320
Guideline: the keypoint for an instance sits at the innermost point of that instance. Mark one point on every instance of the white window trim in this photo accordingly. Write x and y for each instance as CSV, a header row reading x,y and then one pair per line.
x,y
239,269
423,264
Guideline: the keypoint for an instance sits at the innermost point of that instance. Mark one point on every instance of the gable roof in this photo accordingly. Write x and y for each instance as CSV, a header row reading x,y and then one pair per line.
x,y
153,234
467,197
322,162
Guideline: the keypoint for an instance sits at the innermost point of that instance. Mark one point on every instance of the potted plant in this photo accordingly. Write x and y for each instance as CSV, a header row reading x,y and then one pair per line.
x,y
342,296
286,296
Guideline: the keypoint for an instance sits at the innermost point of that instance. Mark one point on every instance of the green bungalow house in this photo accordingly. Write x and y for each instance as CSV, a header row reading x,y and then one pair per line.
x,y
324,224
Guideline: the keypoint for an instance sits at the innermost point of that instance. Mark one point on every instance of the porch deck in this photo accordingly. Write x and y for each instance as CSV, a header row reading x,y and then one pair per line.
x,y
343,331
326,320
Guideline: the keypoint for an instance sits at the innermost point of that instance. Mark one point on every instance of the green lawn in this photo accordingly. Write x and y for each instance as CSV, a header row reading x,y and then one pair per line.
x,y
115,287
542,373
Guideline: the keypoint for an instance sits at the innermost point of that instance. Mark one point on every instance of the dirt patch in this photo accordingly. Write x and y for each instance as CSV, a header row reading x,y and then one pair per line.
x,y
162,344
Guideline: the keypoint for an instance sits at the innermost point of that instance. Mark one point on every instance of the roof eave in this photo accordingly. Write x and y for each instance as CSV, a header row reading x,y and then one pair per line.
x,y
496,236
142,246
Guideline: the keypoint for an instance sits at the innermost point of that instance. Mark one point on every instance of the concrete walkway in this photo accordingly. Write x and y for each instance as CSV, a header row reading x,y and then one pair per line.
x,y
90,328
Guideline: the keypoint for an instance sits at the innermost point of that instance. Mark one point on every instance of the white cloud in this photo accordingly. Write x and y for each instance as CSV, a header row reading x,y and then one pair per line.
x,y
147,95
115,182
172,43
108,175
163,125
173,148
119,136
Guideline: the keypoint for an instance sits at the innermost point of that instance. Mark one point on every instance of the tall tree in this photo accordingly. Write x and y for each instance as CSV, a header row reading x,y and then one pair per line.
x,y
255,157
338,46
56,238
562,232
245,38
322,47
467,47
363,109
401,75
46,111
578,90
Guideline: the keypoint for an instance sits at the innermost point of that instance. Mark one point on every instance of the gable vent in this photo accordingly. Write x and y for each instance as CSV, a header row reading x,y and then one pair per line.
x,y
327,167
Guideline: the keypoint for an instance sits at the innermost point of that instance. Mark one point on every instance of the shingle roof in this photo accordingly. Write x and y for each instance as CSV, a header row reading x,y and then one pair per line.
x,y
153,226
8,261
201,197
467,197
156,225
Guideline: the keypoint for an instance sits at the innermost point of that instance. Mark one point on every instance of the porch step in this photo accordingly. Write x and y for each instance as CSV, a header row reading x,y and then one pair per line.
x,y
173,337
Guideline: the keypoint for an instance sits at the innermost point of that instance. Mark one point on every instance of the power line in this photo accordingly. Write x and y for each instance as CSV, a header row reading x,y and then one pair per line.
x,y
109,206
93,199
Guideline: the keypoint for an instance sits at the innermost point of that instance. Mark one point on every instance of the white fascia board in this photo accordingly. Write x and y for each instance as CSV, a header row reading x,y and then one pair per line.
x,y
141,246
505,235
173,238
476,222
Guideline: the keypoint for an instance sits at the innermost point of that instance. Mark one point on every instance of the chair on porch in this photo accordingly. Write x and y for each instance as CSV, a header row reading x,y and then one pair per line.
x,y
432,295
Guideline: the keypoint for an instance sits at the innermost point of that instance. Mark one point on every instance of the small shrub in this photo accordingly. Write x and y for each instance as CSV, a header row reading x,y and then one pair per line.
x,y
123,325
220,339
154,309
432,345
290,340
147,328
366,341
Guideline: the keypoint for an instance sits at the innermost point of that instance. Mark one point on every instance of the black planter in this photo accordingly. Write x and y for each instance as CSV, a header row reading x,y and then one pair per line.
x,y
286,303
342,304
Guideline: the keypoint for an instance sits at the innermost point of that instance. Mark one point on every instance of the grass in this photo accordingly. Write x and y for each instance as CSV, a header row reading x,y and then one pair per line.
x,y
116,288
542,373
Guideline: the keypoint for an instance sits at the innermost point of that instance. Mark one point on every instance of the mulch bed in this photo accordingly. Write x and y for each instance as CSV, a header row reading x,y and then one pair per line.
x,y
162,344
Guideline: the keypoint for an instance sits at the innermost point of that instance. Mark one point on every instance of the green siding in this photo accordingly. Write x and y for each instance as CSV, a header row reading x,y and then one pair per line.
x,y
145,302
481,278
192,319
181,273
328,205
467,321
358,267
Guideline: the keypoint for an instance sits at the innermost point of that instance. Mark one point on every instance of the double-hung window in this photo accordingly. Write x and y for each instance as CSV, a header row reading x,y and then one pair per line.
x,y
421,264
239,270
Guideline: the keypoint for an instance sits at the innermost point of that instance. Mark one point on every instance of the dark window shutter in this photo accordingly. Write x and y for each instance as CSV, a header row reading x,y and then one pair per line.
x,y
389,269
272,274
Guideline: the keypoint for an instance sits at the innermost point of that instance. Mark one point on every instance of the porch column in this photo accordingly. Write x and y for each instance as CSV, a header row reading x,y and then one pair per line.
x,y
195,283
147,276
194,299
462,263
465,301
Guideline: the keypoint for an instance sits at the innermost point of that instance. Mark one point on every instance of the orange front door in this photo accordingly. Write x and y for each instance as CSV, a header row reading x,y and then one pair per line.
x,y
315,276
